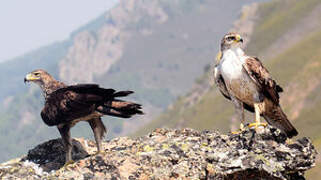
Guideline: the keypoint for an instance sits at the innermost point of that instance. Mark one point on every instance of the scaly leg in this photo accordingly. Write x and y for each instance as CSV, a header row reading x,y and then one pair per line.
x,y
64,131
239,109
99,130
257,118
243,118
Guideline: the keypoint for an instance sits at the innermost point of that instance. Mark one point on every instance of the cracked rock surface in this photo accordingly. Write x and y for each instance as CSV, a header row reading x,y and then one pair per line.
x,y
171,154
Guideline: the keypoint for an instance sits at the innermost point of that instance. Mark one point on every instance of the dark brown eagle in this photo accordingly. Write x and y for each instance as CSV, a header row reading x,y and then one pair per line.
x,y
67,105
248,84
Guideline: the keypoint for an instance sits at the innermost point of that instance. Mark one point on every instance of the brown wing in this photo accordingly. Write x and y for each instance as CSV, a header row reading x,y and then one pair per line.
x,y
273,112
88,89
219,81
73,102
65,105
262,78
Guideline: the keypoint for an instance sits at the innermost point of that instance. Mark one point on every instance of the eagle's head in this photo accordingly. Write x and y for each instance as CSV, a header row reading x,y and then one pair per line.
x,y
231,40
39,76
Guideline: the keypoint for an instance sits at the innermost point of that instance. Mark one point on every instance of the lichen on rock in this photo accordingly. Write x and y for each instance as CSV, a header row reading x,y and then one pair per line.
x,y
176,154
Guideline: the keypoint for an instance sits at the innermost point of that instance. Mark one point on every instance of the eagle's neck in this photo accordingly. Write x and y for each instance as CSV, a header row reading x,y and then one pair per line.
x,y
237,53
49,87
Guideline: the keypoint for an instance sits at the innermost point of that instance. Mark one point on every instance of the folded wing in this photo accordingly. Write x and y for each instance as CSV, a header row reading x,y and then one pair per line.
x,y
77,101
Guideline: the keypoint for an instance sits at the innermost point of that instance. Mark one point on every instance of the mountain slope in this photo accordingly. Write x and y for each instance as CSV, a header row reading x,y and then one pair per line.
x,y
13,71
287,37
156,48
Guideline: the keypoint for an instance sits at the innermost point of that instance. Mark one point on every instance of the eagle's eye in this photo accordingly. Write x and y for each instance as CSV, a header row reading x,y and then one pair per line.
x,y
36,74
230,38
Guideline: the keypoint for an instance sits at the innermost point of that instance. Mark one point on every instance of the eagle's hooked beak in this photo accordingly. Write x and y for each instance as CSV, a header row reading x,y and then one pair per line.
x,y
238,38
30,77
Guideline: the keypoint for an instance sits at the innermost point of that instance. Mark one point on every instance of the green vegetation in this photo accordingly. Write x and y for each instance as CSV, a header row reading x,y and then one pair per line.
x,y
286,14
296,58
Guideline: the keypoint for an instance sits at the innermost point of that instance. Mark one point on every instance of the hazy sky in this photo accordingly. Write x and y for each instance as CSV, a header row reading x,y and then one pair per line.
x,y
29,24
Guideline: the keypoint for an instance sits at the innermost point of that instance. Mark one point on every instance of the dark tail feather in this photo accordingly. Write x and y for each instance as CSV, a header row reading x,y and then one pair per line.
x,y
279,88
120,108
112,112
292,133
289,129
128,108
278,119
122,93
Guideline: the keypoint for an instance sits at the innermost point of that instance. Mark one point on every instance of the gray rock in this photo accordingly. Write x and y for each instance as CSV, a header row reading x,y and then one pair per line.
x,y
175,154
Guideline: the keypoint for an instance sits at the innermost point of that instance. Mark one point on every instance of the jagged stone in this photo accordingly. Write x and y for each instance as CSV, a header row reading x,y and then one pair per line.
x,y
167,153
51,155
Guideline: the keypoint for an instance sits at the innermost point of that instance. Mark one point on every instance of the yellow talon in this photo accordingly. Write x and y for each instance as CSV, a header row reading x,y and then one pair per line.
x,y
289,141
256,125
98,152
240,131
68,163
236,132
63,168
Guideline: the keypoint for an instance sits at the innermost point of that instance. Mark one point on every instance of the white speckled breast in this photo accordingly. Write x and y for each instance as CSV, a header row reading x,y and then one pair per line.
x,y
238,83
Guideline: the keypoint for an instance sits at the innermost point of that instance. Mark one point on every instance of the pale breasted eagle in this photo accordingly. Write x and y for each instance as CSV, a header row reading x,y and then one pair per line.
x,y
248,84
67,105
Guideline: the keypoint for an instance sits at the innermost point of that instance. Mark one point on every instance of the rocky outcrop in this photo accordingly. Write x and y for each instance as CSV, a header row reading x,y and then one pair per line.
x,y
165,154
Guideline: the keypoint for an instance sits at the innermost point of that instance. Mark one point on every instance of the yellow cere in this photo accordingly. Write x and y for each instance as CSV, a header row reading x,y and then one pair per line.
x,y
238,38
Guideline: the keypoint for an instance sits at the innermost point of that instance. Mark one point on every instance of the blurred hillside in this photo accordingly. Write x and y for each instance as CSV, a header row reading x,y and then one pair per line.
x,y
286,36
157,48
